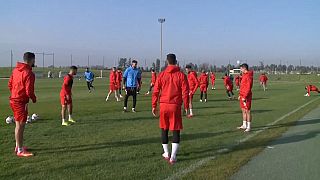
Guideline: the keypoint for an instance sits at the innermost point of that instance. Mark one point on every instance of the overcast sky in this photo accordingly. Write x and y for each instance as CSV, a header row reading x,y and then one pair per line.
x,y
213,31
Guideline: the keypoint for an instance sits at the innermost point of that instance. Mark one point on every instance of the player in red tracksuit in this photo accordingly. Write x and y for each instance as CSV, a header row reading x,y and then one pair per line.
x,y
66,96
245,97
171,90
310,88
228,85
193,85
119,81
238,81
203,83
213,79
153,80
21,86
263,81
113,85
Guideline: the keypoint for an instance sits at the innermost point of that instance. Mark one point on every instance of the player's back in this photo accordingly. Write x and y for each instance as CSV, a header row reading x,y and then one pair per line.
x,y
172,82
67,84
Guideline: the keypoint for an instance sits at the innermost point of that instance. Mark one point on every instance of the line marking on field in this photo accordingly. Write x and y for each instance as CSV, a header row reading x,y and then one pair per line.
x,y
203,161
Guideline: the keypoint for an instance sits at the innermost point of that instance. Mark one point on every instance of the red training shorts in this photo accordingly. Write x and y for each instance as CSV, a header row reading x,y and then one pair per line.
x,y
203,88
112,87
20,111
247,104
170,117
64,100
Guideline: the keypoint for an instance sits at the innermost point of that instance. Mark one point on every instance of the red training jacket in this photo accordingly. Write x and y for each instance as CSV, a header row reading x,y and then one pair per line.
x,y
67,85
203,80
119,77
227,82
113,78
21,84
193,82
172,87
246,85
312,88
263,78
213,77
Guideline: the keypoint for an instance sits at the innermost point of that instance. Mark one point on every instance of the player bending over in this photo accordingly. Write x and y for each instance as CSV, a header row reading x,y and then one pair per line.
x,y
113,85
213,79
153,80
203,81
263,81
131,83
171,89
21,86
119,81
193,85
89,76
66,96
245,97
229,86
310,88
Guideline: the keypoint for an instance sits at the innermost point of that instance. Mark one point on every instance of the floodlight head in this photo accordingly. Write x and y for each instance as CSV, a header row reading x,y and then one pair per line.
x,y
161,20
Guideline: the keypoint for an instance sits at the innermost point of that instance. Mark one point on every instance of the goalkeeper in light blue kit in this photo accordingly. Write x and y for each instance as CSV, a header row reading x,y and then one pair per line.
x,y
89,76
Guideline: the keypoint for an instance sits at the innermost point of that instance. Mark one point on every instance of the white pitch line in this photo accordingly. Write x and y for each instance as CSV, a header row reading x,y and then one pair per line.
x,y
203,161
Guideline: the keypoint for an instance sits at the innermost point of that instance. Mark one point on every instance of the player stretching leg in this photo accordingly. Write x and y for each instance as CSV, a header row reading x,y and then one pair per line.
x,y
66,96
310,88
113,85
21,85
153,80
245,97
203,81
131,83
193,85
171,88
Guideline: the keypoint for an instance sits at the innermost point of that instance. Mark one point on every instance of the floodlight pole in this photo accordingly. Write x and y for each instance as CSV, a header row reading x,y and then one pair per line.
x,y
161,21
71,60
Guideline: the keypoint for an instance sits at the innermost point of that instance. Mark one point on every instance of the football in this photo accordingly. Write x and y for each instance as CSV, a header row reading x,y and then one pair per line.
x,y
9,120
34,117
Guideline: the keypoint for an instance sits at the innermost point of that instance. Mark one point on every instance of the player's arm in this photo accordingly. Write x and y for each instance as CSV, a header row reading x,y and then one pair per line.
x,y
10,84
139,79
155,95
30,79
125,75
185,92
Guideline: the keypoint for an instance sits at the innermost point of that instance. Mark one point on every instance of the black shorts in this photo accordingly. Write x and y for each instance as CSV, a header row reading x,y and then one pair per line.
x,y
131,91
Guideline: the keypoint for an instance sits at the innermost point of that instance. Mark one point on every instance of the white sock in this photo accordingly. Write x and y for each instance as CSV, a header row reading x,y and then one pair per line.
x,y
70,116
175,147
191,113
244,124
248,125
125,108
20,149
165,149
63,120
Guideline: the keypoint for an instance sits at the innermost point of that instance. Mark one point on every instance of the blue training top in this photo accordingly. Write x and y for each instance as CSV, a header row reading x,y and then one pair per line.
x,y
131,76
89,75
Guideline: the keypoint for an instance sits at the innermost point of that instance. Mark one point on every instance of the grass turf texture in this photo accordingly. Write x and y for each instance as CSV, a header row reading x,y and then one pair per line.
x,y
105,143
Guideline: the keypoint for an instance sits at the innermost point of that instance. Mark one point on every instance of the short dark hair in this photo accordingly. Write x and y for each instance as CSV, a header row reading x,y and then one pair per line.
x,y
74,68
28,56
135,61
172,59
188,66
119,68
114,68
152,70
245,65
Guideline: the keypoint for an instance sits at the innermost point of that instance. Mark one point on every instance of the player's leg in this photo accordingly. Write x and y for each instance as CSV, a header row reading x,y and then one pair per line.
x,y
232,94
228,94
165,141
125,102
205,96
201,96
116,95
70,108
244,120
248,119
175,127
108,95
175,146
134,100
190,106
88,86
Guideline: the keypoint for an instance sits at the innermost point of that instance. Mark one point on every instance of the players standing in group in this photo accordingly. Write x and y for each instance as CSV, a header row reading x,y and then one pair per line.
x,y
203,83
193,86
113,85
119,81
171,90
213,79
89,76
153,80
229,86
131,84
263,81
245,97
66,96
21,86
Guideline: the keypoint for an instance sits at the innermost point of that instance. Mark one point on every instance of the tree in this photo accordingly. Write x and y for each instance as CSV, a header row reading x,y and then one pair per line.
x,y
122,62
157,65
